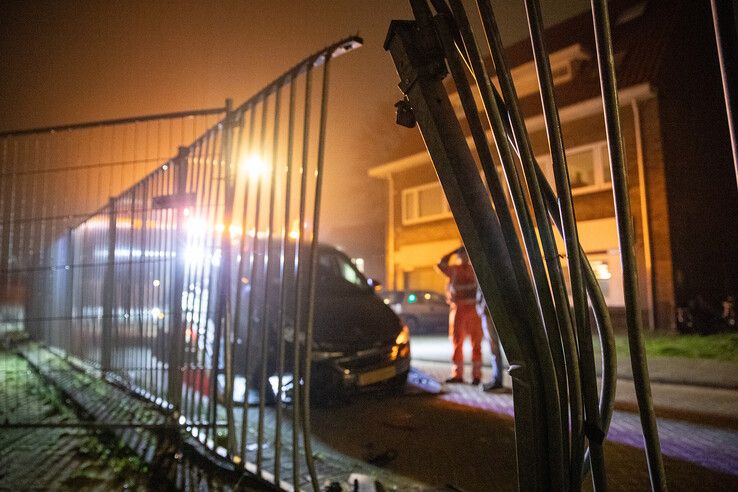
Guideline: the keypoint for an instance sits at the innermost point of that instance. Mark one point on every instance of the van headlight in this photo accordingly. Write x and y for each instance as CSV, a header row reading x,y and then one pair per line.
x,y
404,337
401,348
319,355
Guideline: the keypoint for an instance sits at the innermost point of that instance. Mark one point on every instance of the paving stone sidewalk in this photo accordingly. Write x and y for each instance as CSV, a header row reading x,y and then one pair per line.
x,y
708,446
109,404
46,457
665,370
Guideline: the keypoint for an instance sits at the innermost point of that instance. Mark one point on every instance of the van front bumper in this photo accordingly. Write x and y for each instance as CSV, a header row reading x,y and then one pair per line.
x,y
364,369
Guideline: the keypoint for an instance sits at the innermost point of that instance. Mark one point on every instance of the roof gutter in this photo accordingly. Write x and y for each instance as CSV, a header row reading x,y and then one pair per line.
x,y
572,112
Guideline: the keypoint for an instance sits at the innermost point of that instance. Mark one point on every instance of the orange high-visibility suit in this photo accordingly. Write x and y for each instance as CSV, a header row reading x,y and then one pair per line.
x,y
463,318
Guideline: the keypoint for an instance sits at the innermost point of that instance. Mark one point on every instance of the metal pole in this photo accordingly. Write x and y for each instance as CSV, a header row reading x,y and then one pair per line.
x,y
543,300
232,316
8,185
726,38
113,122
108,293
176,332
553,263
312,281
571,239
69,308
253,321
267,267
239,291
421,72
599,307
283,252
224,279
608,84
299,288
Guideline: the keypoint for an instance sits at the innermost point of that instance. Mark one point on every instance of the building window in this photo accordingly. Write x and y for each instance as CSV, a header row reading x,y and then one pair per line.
x,y
424,203
603,275
589,168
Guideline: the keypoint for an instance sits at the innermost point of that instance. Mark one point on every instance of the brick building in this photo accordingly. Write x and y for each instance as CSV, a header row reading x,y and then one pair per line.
x,y
682,186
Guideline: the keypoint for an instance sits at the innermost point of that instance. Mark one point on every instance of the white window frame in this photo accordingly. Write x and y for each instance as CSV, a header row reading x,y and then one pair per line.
x,y
600,182
410,205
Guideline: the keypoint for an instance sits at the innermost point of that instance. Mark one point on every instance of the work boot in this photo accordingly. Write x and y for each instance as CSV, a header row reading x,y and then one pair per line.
x,y
455,379
492,386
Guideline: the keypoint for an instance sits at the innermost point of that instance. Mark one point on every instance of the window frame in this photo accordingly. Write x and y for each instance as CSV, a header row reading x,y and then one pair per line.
x,y
413,193
598,162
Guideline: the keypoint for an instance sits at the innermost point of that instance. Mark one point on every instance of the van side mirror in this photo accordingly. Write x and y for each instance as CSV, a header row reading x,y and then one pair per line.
x,y
374,284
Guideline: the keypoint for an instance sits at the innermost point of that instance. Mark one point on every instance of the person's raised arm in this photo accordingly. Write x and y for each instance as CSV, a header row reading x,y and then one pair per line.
x,y
442,265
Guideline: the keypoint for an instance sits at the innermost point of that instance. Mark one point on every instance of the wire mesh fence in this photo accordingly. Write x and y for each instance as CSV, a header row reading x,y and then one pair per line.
x,y
188,280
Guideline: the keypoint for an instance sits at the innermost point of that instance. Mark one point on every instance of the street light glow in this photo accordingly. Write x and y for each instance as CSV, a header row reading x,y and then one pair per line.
x,y
254,166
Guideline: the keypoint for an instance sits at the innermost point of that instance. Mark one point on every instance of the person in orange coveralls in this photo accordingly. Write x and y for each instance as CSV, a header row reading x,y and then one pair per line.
x,y
463,319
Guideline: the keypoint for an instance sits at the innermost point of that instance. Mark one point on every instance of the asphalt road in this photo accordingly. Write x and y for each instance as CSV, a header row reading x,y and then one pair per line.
x,y
463,439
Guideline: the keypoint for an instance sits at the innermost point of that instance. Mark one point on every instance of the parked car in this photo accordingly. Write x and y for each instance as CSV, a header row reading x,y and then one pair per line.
x,y
423,311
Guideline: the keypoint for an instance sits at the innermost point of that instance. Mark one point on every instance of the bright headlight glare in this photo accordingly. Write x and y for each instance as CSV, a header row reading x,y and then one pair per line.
x,y
404,336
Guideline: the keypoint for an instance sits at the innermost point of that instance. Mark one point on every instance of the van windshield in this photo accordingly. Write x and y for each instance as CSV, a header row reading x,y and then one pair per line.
x,y
336,265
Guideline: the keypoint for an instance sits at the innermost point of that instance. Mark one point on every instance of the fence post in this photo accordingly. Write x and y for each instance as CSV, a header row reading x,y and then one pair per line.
x,y
176,328
108,293
421,68
7,197
224,281
69,306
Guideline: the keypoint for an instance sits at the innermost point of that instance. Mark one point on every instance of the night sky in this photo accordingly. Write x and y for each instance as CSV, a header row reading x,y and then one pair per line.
x,y
64,62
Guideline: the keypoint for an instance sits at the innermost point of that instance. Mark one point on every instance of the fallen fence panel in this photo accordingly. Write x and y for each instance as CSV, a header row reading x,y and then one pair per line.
x,y
188,280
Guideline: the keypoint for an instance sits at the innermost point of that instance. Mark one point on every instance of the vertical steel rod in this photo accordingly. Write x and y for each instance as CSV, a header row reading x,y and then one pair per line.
x,y
592,425
251,318
726,39
239,291
283,251
108,292
224,278
176,332
542,297
553,264
608,85
267,267
418,69
312,281
232,317
299,288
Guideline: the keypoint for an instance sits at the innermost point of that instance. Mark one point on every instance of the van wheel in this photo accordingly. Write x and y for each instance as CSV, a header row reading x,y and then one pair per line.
x,y
397,384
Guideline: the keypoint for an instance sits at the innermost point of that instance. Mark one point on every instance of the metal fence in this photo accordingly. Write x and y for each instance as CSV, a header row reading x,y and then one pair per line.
x,y
561,418
192,285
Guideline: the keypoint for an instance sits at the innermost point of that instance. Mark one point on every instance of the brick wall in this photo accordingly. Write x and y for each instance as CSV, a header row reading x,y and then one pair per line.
x,y
658,214
589,206
700,179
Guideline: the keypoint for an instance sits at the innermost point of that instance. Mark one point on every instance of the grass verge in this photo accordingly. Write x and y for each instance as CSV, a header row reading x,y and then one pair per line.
x,y
723,346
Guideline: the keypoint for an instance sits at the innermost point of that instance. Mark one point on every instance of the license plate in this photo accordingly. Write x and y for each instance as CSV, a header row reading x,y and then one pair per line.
x,y
376,376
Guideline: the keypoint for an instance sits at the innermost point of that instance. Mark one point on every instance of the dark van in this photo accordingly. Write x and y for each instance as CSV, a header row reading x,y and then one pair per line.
x,y
359,343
